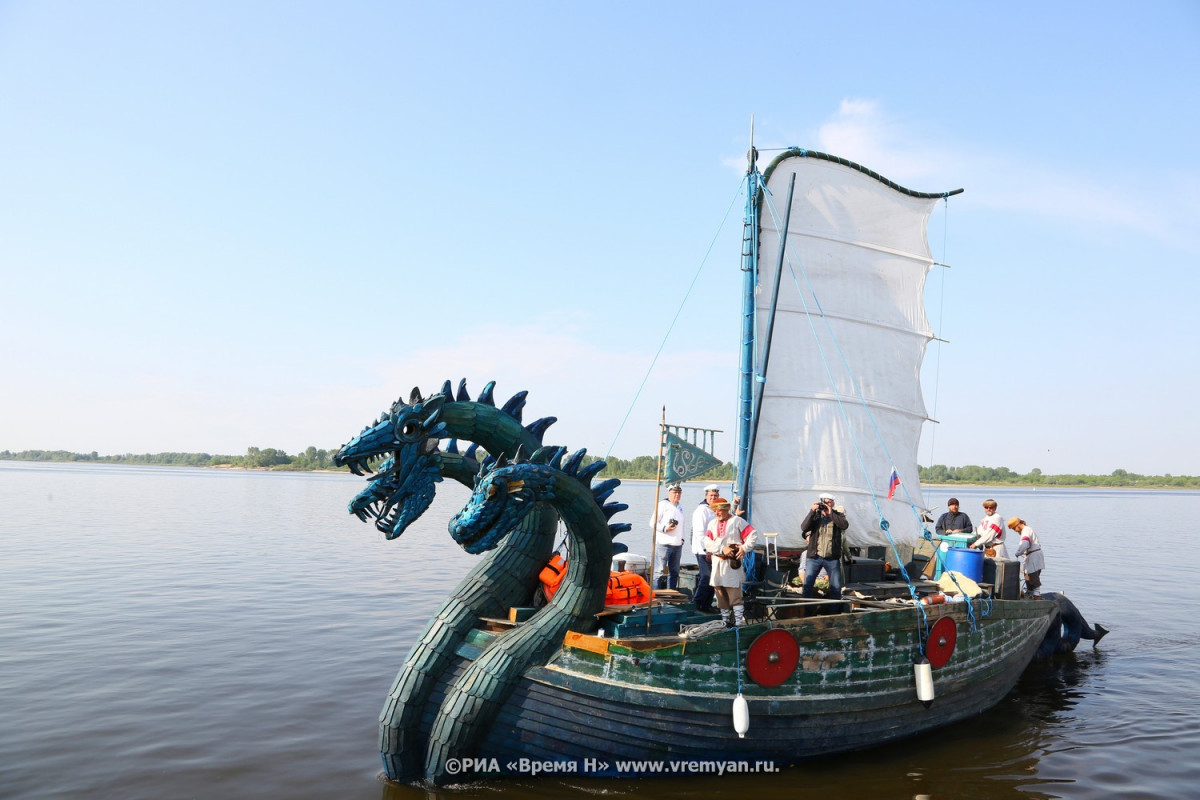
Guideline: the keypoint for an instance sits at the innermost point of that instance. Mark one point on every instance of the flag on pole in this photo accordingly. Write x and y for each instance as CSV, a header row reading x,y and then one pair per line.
x,y
893,483
685,460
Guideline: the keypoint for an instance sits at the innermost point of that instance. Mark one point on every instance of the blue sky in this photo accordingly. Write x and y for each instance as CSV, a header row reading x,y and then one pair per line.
x,y
230,224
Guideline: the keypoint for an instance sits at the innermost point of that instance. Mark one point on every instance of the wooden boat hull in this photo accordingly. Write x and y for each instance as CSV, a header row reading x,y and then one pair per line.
x,y
606,707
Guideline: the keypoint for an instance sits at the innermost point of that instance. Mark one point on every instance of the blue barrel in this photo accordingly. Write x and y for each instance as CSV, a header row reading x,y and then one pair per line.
x,y
967,561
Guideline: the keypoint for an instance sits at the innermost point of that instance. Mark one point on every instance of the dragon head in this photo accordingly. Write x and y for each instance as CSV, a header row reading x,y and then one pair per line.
x,y
399,455
502,496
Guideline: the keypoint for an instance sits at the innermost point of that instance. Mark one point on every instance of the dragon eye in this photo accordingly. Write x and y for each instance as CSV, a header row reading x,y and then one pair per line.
x,y
410,428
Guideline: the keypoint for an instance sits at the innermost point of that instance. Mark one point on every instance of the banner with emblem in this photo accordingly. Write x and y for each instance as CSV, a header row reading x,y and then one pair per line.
x,y
684,459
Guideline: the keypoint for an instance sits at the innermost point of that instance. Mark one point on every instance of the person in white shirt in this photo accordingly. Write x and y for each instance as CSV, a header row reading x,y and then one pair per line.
x,y
1031,549
991,531
703,597
667,524
729,539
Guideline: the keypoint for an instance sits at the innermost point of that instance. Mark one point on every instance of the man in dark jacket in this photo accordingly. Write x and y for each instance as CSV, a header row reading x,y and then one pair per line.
x,y
823,527
954,521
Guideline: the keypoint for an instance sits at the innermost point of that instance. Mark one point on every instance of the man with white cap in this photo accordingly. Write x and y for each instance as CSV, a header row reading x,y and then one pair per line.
x,y
823,527
703,598
667,523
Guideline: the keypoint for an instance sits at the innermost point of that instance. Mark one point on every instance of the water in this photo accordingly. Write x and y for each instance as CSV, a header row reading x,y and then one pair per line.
x,y
174,632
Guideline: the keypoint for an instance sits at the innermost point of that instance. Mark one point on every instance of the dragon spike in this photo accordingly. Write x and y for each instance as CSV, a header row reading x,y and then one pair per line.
x,y
591,470
463,395
515,404
538,427
471,450
617,528
547,455
414,397
452,446
603,489
572,465
516,458
447,392
432,407
611,509
485,396
556,461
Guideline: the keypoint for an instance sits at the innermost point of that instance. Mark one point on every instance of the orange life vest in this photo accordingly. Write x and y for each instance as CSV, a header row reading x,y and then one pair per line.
x,y
552,575
626,588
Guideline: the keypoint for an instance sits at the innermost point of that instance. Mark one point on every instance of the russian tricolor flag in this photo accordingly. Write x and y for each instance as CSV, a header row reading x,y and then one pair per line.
x,y
893,483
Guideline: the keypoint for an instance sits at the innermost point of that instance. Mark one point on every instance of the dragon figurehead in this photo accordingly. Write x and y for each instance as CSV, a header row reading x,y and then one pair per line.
x,y
505,492
400,454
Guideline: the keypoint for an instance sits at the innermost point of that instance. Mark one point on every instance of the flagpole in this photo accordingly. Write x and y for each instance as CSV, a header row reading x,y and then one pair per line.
x,y
662,442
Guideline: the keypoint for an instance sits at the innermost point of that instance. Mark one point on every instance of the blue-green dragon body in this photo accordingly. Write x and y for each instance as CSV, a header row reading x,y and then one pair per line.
x,y
405,443
503,496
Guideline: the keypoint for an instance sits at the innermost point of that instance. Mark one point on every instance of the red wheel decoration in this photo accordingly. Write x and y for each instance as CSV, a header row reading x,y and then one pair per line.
x,y
772,658
940,644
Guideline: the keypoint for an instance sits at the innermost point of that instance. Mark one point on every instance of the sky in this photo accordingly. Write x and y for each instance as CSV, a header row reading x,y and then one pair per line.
x,y
229,224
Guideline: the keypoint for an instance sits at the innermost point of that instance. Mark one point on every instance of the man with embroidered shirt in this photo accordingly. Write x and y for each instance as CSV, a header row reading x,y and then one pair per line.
x,y
1031,550
728,539
990,532
703,597
823,527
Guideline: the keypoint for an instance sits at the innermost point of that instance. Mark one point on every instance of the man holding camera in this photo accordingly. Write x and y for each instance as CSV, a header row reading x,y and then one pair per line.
x,y
823,527
667,523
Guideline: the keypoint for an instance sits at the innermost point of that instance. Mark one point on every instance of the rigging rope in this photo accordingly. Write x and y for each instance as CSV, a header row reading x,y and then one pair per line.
x,y
674,319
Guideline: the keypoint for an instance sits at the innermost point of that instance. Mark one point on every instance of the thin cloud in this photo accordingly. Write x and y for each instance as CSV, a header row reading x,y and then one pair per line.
x,y
1158,207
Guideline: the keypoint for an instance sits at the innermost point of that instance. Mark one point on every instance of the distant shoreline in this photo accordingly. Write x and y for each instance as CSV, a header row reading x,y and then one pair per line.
x,y
204,461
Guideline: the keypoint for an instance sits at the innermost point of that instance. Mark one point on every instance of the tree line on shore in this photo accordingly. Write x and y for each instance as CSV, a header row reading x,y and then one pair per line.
x,y
639,468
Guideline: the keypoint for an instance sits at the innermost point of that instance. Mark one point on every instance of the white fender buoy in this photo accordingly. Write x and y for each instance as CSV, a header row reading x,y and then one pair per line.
x,y
924,675
741,715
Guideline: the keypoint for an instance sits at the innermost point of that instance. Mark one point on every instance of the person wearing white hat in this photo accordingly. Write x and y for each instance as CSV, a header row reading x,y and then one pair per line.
x,y
667,524
703,597
823,527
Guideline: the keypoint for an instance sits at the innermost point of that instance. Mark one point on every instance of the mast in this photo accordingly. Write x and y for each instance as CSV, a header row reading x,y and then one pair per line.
x,y
749,281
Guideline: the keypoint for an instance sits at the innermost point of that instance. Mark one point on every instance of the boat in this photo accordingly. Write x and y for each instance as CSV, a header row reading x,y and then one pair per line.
x,y
829,400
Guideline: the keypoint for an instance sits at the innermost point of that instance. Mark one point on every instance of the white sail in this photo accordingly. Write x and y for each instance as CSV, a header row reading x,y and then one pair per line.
x,y
859,252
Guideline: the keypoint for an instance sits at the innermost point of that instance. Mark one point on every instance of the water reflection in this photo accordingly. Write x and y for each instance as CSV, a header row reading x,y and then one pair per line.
x,y
1048,689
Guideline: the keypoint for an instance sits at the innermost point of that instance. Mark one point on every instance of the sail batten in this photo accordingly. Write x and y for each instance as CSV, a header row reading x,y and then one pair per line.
x,y
829,397
842,406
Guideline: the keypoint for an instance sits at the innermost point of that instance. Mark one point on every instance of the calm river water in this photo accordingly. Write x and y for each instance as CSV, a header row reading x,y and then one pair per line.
x,y
172,632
